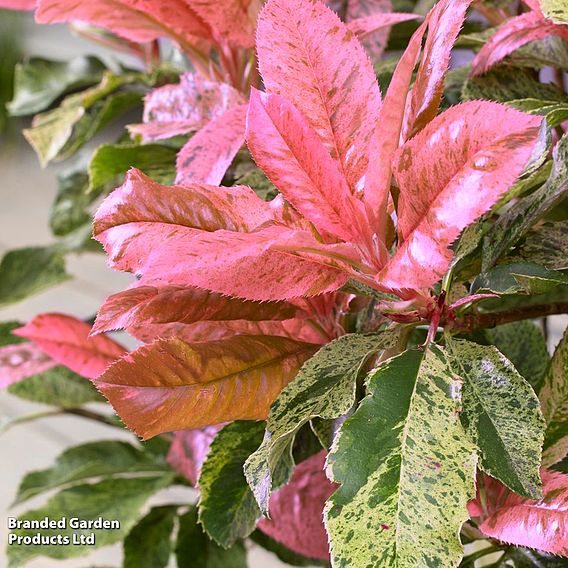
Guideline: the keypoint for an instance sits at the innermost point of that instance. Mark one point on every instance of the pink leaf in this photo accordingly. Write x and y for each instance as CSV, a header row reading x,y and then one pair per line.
x,y
188,451
376,43
185,305
362,27
189,105
444,23
134,219
208,155
293,157
66,339
541,524
18,4
135,20
512,35
206,261
449,174
307,55
22,360
296,510
231,20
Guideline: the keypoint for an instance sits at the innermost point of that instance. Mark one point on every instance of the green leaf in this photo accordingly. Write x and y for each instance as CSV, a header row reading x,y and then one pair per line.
x,y
555,112
518,278
555,10
283,553
111,161
554,401
86,462
194,548
508,83
523,343
28,271
117,499
6,337
261,185
69,210
59,387
547,245
227,507
501,413
527,558
149,543
516,222
39,82
406,469
59,133
324,387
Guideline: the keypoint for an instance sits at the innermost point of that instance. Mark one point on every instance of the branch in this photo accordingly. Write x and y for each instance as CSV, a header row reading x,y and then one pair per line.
x,y
473,322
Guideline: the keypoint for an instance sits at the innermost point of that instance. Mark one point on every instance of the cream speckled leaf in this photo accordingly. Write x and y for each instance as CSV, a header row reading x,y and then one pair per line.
x,y
406,467
547,245
554,402
555,10
502,415
524,344
324,387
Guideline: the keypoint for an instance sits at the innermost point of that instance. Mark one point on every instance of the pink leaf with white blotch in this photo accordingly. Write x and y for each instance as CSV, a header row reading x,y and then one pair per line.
x,y
512,35
296,510
66,340
136,20
450,174
141,214
188,451
285,146
207,155
307,55
181,108
540,524
231,20
22,360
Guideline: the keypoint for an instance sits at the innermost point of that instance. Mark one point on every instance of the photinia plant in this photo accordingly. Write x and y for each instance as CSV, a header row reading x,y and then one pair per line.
x,y
340,288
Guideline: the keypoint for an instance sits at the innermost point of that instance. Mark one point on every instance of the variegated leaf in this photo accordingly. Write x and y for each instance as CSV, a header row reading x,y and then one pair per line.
x,y
324,387
501,414
406,468
554,401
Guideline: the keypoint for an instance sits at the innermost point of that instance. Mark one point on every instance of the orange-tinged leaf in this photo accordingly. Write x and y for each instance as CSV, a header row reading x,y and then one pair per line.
x,y
136,20
172,385
540,524
307,55
207,155
449,174
66,340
